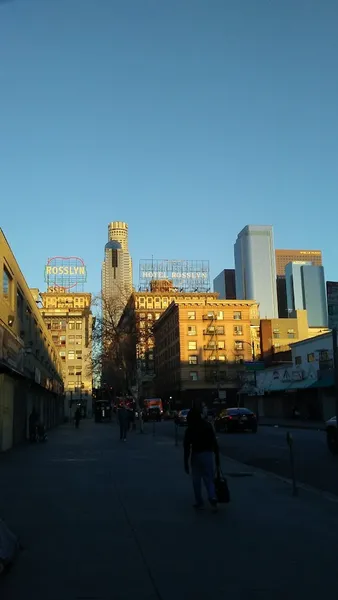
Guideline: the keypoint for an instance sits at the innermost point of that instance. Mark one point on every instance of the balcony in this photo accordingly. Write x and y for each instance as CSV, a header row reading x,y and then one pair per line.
x,y
210,347
209,317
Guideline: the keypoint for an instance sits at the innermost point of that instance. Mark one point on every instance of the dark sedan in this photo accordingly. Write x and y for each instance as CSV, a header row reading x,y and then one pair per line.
x,y
236,419
181,418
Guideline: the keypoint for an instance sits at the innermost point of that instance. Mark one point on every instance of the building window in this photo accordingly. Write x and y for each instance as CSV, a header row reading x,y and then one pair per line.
x,y
62,340
62,355
7,284
324,355
276,333
79,354
142,315
220,330
211,346
291,335
191,315
192,330
298,360
19,304
238,345
239,358
157,316
193,359
71,325
192,345
220,315
78,339
193,375
221,345
238,330
311,357
71,354
71,372
237,315
221,358
78,325
150,317
71,339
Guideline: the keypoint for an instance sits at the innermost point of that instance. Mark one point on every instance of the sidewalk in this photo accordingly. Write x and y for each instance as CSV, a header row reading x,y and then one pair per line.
x,y
291,423
103,520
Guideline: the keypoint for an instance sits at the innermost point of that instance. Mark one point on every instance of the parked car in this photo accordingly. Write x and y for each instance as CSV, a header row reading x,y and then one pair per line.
x,y
332,435
181,418
236,419
168,415
152,414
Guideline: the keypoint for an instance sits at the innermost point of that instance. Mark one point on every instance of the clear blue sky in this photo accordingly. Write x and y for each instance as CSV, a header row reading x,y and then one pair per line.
x,y
186,118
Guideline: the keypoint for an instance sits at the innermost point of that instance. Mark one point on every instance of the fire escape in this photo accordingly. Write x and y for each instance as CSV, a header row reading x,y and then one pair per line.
x,y
212,372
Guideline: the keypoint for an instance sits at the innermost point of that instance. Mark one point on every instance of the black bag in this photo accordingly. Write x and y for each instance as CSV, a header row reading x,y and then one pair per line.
x,y
222,489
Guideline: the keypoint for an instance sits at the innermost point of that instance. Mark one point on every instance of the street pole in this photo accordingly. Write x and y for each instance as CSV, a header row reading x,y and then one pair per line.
x,y
335,366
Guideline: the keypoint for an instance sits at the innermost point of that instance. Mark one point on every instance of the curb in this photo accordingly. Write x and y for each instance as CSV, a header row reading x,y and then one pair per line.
x,y
241,467
293,426
269,474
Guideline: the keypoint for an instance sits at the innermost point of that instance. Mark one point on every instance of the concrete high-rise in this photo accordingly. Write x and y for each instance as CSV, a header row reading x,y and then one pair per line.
x,y
284,257
117,268
306,290
225,284
256,268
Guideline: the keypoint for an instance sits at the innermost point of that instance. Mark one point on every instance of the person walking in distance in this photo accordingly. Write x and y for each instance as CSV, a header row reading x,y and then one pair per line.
x,y
200,448
123,421
77,417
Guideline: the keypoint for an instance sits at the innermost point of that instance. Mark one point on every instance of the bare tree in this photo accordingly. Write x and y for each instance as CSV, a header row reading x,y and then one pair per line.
x,y
115,338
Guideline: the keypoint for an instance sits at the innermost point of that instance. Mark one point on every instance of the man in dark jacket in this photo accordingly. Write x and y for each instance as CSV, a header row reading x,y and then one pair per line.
x,y
200,444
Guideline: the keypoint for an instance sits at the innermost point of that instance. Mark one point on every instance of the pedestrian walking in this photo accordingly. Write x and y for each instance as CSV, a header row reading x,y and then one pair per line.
x,y
123,417
202,451
77,417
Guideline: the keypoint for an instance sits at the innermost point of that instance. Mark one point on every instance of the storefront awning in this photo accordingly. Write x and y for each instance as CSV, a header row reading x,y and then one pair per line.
x,y
324,382
300,385
278,386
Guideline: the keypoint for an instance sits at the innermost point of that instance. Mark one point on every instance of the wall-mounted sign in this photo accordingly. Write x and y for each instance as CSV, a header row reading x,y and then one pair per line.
x,y
65,273
11,350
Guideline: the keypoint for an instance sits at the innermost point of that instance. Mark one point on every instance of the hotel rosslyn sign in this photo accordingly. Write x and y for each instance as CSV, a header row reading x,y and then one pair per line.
x,y
65,273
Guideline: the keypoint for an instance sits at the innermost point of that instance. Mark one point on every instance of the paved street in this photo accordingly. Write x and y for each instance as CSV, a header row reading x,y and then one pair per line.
x,y
103,520
268,450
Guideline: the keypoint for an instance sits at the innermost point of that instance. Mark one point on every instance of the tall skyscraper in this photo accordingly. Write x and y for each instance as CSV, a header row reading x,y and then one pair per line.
x,y
284,257
117,268
306,290
332,303
225,284
256,269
